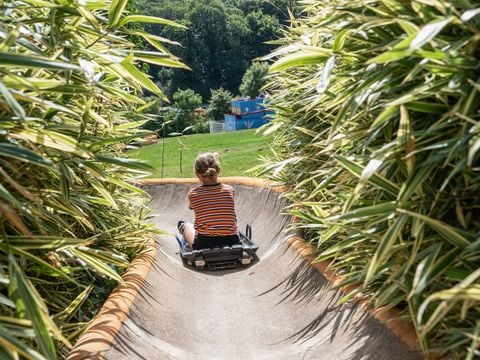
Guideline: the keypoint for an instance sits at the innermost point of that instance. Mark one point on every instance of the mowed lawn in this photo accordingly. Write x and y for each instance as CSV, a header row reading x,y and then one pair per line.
x,y
239,151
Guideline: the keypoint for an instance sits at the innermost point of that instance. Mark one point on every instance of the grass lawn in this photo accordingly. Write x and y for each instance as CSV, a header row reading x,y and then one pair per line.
x,y
239,150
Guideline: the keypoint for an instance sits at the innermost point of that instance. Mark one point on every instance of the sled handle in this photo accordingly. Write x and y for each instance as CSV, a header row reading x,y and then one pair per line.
x,y
248,231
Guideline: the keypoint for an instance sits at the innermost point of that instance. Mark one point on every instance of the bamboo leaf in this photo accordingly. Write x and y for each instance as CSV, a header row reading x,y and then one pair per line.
x,y
340,40
28,299
407,26
384,116
470,14
6,195
423,270
13,218
149,20
44,103
376,179
115,11
14,105
114,140
41,242
104,193
23,154
126,185
383,210
300,58
107,256
370,169
148,37
6,301
8,59
122,94
446,231
126,68
53,140
74,306
97,265
384,250
428,32
414,182
430,108
10,342
42,263
399,51
463,291
162,61
322,85
473,151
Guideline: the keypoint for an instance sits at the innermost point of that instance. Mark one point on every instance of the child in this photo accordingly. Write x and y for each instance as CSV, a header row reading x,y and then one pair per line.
x,y
214,208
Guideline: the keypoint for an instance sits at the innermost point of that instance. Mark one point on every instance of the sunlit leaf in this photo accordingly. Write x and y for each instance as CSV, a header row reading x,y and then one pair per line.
x,y
8,59
116,10
149,20
300,58
428,32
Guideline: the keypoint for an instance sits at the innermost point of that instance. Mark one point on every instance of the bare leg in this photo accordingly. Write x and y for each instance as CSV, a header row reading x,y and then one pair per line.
x,y
189,233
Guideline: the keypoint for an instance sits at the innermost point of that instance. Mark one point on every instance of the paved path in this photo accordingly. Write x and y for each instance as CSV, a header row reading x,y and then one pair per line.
x,y
278,308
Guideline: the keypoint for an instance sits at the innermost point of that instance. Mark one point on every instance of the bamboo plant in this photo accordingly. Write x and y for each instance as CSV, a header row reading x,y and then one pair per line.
x,y
71,220
378,130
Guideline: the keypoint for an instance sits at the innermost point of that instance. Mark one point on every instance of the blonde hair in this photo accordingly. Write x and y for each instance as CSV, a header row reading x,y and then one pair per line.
x,y
207,164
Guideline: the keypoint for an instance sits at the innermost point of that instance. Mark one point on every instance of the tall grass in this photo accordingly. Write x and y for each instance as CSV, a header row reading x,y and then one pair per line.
x,y
377,127
70,217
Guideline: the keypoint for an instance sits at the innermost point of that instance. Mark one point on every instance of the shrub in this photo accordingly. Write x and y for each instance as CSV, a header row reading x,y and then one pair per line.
x,y
377,113
70,217
254,79
219,104
201,126
182,114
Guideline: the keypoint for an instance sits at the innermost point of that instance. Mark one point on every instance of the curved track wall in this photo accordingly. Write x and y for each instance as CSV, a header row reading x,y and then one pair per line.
x,y
278,308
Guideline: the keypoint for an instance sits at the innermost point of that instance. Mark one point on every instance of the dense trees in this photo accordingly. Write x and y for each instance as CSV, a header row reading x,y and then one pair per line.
x,y
221,40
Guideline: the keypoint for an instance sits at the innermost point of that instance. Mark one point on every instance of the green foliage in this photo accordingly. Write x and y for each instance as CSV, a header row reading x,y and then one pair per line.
x,y
152,115
182,114
221,40
254,79
377,113
70,218
219,104
201,125
187,100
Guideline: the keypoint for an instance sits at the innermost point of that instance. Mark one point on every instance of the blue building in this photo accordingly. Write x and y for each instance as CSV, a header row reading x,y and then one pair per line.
x,y
247,114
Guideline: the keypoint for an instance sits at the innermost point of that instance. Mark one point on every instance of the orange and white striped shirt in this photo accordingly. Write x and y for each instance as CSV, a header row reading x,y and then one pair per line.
x,y
214,209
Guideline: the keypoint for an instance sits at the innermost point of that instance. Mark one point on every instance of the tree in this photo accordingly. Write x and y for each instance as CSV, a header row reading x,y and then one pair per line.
x,y
254,79
221,40
182,114
219,104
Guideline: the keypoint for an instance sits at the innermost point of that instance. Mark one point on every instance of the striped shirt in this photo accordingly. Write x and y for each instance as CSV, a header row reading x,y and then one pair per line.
x,y
214,209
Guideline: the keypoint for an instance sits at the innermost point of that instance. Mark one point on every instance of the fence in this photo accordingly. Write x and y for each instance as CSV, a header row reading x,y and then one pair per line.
x,y
217,126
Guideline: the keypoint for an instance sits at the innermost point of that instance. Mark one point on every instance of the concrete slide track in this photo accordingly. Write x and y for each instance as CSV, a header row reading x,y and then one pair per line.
x,y
278,308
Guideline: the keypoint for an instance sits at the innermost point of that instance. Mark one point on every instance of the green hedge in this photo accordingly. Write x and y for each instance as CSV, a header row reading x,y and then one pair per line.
x,y
378,129
70,218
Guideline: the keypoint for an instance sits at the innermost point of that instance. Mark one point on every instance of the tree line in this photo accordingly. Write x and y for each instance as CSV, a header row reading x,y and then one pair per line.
x,y
220,42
